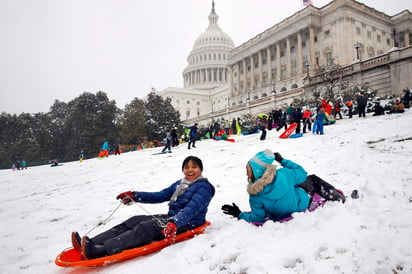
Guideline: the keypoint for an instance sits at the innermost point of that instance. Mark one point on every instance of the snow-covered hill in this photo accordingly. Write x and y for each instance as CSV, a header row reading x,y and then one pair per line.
x,y
39,207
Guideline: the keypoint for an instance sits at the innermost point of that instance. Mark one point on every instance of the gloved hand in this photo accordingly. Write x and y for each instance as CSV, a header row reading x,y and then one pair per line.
x,y
126,197
169,231
231,210
278,157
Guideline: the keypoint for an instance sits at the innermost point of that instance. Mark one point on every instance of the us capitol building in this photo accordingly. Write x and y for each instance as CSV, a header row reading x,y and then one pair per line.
x,y
222,81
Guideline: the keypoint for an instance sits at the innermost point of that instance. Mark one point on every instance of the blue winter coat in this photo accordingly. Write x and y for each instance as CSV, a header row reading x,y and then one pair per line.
x,y
105,146
275,196
321,117
193,132
190,208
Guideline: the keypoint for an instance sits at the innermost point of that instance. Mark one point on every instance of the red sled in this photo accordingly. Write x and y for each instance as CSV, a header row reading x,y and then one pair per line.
x,y
288,131
217,138
72,258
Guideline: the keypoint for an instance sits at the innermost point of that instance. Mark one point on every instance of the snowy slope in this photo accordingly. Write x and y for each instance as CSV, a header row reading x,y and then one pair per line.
x,y
39,207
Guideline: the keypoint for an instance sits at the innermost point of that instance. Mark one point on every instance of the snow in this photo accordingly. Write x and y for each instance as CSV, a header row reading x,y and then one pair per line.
x,y
41,206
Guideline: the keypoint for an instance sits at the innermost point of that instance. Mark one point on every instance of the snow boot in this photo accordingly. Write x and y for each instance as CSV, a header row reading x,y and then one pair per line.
x,y
91,250
337,195
355,194
77,242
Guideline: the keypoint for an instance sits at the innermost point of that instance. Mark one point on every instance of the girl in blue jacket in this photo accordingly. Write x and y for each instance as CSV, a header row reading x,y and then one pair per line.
x,y
277,193
188,198
318,124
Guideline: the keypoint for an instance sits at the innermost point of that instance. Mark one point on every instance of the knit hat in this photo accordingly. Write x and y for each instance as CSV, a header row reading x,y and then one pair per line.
x,y
260,162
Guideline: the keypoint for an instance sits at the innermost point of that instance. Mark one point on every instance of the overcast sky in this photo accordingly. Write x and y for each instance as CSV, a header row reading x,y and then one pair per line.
x,y
57,49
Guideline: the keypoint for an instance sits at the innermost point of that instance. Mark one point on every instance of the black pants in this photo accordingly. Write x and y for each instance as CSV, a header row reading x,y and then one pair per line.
x,y
350,112
167,147
263,135
297,127
313,184
282,124
191,141
361,110
136,231
307,122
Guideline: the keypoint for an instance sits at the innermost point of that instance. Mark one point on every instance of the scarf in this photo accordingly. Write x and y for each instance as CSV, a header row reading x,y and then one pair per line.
x,y
182,187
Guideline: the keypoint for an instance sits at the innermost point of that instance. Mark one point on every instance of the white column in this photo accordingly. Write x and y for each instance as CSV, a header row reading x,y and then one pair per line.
x,y
230,74
312,46
244,75
278,61
288,61
252,72
260,68
269,64
299,63
238,78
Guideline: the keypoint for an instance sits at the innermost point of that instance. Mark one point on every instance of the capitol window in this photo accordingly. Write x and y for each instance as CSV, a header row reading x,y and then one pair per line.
x,y
369,34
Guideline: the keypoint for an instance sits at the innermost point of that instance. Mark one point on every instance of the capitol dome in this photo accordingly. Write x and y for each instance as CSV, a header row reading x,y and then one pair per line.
x,y
207,62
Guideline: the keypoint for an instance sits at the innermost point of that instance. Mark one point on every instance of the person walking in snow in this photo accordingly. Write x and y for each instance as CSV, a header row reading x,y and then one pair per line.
x,y
362,101
168,143
274,194
188,198
262,126
296,118
336,109
233,126
175,140
307,114
318,124
192,136
282,120
349,104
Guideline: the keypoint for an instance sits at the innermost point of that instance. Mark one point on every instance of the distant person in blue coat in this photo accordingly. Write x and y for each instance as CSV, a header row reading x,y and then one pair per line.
x,y
277,193
192,136
318,124
105,146
188,200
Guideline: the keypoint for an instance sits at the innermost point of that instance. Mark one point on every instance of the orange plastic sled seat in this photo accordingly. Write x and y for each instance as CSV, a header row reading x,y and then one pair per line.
x,y
72,258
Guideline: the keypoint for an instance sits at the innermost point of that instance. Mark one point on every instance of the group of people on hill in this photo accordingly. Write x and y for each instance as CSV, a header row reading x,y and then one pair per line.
x,y
279,119
274,194
19,165
324,112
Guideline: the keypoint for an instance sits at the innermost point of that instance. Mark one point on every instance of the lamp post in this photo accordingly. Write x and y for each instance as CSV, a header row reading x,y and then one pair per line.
x,y
307,68
274,97
248,101
212,110
357,47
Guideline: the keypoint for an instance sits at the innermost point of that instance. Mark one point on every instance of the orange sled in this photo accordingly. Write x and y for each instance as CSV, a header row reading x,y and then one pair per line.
x,y
71,258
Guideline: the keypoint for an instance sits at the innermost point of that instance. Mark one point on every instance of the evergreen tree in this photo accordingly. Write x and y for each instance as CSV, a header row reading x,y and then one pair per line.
x,y
160,116
91,121
58,115
132,123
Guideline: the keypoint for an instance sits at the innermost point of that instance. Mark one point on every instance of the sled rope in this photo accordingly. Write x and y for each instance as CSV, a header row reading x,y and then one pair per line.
x,y
159,222
104,221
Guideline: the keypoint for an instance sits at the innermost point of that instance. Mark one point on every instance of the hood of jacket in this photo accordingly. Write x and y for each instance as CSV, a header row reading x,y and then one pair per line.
x,y
267,178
